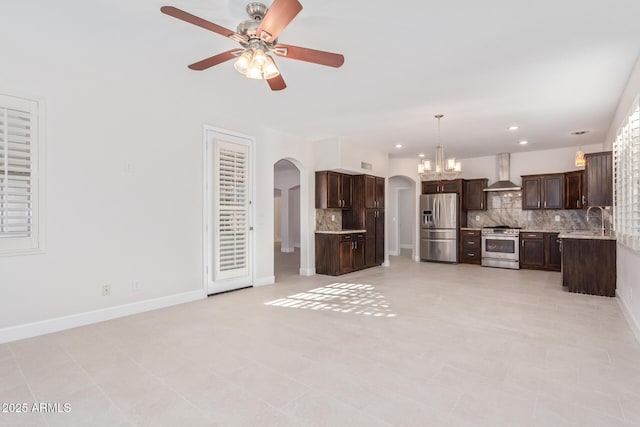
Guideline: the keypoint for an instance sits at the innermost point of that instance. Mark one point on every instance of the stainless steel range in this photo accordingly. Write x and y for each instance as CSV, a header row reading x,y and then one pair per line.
x,y
500,247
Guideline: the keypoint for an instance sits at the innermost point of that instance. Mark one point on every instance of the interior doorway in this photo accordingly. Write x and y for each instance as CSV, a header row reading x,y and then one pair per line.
x,y
286,178
403,226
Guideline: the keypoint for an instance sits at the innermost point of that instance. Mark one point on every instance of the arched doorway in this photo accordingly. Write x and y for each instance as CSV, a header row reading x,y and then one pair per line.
x,y
287,238
403,227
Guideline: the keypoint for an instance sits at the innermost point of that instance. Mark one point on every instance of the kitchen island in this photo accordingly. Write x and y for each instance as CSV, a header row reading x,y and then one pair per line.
x,y
589,262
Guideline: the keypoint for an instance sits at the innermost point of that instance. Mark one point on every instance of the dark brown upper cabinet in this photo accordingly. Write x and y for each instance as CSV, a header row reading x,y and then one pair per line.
x,y
574,197
444,186
543,191
474,196
333,190
374,192
599,178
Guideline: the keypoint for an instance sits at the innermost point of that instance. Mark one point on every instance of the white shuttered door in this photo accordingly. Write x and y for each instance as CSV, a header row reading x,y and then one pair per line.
x,y
18,179
231,213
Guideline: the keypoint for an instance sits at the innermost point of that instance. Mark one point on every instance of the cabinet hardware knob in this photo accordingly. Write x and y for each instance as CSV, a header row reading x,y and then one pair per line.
x,y
523,243
577,203
538,203
545,203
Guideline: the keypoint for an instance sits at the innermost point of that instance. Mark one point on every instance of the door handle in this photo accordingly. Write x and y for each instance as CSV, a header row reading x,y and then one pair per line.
x,y
523,243
538,203
577,203
545,203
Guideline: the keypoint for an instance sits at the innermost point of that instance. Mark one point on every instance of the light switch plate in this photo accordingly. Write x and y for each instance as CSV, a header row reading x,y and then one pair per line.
x,y
557,218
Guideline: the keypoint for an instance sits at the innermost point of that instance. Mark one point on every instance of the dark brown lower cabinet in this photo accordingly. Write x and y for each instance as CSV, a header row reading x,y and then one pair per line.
x,y
374,249
539,251
470,246
340,253
532,250
589,266
553,257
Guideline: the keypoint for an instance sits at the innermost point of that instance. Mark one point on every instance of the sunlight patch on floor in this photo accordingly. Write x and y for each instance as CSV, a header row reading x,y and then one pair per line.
x,y
353,298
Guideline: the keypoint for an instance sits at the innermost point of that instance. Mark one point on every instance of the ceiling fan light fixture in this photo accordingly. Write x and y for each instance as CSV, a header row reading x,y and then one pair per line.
x,y
270,69
259,58
254,73
242,63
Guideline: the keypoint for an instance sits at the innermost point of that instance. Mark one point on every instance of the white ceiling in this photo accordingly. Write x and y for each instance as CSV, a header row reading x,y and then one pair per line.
x,y
551,67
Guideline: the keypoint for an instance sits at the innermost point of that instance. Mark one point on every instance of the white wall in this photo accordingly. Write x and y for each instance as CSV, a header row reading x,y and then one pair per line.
x,y
406,217
526,163
277,202
108,103
346,156
400,212
294,215
628,269
289,214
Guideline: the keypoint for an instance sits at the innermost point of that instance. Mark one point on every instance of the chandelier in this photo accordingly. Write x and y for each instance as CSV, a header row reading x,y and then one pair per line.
x,y
439,169
254,63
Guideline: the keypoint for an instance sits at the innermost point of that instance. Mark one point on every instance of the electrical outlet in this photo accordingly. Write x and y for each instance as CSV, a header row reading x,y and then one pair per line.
x,y
106,290
477,217
557,218
333,217
135,286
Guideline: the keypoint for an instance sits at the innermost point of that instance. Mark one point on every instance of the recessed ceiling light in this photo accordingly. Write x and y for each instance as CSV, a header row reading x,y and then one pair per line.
x,y
523,142
513,127
398,145
579,132
421,155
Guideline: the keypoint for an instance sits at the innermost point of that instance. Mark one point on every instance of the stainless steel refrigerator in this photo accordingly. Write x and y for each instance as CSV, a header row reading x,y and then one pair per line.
x,y
439,227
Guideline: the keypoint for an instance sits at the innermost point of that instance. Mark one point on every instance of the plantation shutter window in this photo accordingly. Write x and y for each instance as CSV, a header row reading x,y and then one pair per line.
x,y
18,174
626,150
231,222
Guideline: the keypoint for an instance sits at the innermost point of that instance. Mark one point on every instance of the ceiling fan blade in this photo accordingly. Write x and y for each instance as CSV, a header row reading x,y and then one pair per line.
x,y
277,83
277,18
309,55
203,23
215,60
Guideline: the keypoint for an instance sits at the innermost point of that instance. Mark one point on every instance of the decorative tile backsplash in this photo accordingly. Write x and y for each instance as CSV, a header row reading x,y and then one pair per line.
x,y
505,208
328,219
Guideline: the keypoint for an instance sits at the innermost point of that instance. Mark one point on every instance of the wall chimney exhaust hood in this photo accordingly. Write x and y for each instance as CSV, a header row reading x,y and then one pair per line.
x,y
503,183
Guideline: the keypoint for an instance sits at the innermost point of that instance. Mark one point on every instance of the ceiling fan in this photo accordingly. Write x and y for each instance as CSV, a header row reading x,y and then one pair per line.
x,y
258,37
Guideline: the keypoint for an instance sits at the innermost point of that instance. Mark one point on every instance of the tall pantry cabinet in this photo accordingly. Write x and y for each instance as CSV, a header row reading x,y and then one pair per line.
x,y
367,212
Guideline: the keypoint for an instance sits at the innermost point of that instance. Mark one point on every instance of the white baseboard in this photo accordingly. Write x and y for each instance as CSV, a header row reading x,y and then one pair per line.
x,y
416,258
394,253
264,281
287,250
308,271
29,330
386,263
626,310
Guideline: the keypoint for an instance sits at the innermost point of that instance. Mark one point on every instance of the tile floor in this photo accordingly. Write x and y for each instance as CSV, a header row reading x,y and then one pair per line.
x,y
468,346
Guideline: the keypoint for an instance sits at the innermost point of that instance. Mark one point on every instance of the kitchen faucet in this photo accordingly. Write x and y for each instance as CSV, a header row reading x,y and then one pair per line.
x,y
601,216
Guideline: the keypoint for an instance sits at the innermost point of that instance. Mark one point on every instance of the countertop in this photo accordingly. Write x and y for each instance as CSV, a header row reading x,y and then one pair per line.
x,y
564,234
340,231
590,235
